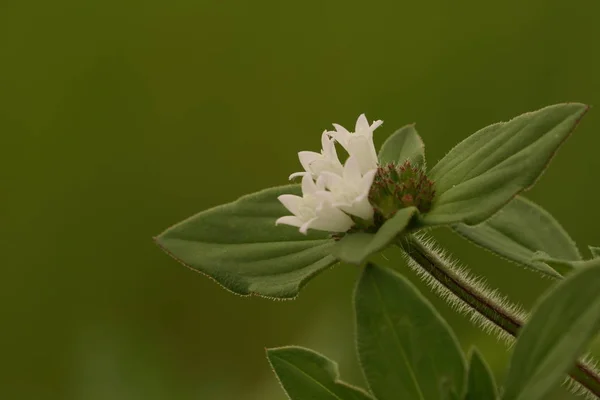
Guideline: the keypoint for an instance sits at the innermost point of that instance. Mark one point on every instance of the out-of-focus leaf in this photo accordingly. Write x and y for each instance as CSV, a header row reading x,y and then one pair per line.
x,y
480,381
305,374
563,322
406,349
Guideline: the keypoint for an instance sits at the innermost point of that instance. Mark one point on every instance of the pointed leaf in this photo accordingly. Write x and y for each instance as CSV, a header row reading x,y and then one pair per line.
x,y
305,374
562,324
480,381
406,349
404,144
239,246
355,248
518,231
486,170
595,251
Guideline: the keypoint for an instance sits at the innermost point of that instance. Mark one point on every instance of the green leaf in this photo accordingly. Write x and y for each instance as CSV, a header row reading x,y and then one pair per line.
x,y
239,246
564,267
305,374
452,395
595,251
518,231
404,144
562,324
486,170
406,349
355,248
480,381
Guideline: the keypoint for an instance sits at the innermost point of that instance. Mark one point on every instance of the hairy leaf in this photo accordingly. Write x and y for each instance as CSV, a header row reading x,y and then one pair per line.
x,y
518,231
487,169
562,324
239,246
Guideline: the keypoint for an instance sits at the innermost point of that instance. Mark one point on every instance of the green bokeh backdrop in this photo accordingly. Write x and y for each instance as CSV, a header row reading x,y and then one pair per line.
x,y
119,118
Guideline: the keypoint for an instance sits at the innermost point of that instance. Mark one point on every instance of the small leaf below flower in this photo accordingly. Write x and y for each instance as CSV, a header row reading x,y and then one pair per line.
x,y
355,248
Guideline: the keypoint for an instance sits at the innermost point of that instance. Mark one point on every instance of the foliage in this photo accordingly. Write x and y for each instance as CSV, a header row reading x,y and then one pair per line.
x,y
405,348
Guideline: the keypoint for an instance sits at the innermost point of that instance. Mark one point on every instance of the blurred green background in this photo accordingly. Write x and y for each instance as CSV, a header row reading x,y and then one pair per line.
x,y
120,118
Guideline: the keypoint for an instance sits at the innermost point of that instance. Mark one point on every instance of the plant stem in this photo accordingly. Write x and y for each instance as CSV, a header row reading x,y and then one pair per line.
x,y
496,313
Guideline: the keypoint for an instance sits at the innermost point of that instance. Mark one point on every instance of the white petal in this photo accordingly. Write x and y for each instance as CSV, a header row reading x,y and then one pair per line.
x,y
290,220
376,124
362,125
341,134
341,129
325,165
331,180
306,225
325,140
329,151
325,199
352,170
297,174
362,209
332,219
308,157
291,202
322,181
308,185
367,181
363,149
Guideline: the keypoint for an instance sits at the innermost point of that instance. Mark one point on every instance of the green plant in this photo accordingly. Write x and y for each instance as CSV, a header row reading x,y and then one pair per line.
x,y
349,211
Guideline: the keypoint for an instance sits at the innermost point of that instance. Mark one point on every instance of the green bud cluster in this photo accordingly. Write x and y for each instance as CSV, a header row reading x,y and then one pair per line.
x,y
398,186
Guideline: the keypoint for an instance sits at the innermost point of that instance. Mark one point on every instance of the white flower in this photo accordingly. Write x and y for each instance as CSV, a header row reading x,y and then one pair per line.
x,y
350,192
316,163
360,143
313,210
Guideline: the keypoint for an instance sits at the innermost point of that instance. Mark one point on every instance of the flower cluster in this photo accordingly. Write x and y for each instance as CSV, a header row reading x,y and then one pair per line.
x,y
335,196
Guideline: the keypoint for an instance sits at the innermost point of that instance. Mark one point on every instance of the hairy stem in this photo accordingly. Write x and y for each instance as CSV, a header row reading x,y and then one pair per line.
x,y
496,313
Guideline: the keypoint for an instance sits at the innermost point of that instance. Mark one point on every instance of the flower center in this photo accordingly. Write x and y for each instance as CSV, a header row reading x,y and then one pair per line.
x,y
399,186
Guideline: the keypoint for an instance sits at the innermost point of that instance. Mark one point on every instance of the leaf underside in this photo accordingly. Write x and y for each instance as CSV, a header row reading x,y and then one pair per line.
x,y
520,230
